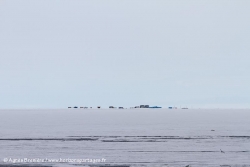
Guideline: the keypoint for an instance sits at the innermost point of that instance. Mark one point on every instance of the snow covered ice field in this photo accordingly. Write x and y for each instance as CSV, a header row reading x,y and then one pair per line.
x,y
129,137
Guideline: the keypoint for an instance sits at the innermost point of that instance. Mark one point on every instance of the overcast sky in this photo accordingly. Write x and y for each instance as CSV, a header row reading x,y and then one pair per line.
x,y
60,53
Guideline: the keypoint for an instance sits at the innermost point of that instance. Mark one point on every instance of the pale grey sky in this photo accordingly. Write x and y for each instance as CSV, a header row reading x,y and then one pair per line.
x,y
60,53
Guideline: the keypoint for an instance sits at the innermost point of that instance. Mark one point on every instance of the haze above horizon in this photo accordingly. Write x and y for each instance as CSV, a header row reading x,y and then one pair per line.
x,y
55,54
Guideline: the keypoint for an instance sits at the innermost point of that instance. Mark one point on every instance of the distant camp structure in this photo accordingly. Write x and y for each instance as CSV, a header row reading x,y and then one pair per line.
x,y
155,107
172,107
112,107
144,106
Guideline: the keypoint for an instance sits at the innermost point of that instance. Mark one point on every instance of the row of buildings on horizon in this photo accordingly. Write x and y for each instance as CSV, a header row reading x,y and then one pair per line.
x,y
136,107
